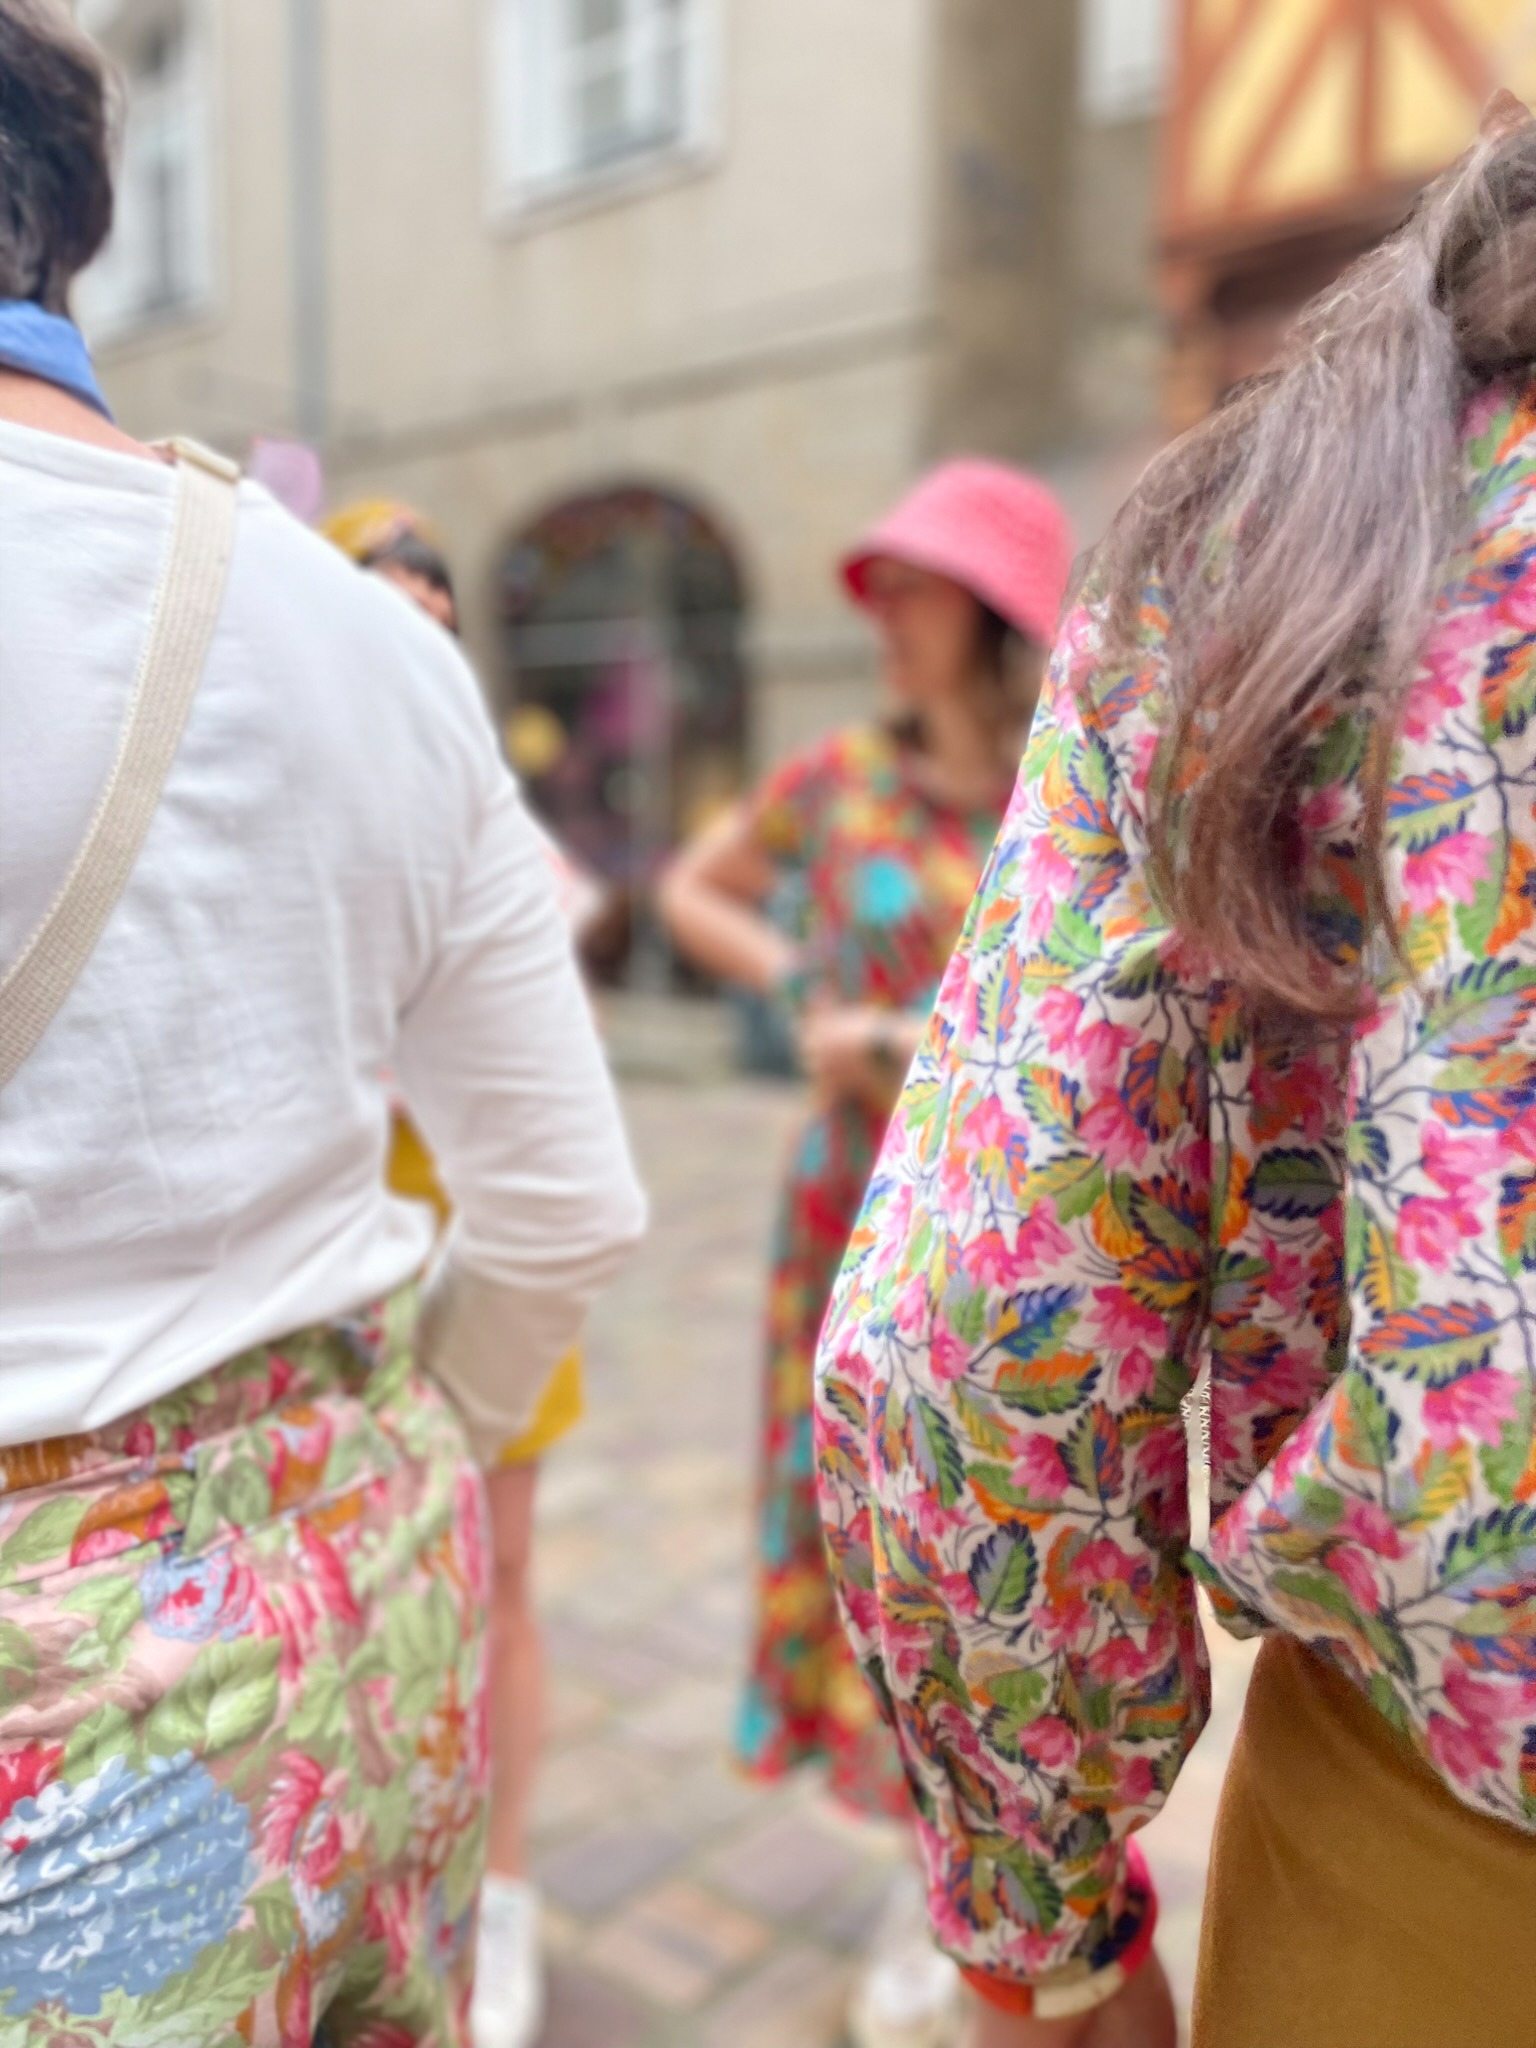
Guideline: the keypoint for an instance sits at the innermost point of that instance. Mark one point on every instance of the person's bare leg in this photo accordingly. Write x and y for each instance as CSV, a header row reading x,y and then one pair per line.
x,y
1139,2016
516,1668
509,1975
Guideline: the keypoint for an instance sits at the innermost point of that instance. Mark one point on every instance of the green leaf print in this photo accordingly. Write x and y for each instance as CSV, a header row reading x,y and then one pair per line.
x,y
390,1810
1073,940
223,1981
276,1916
1475,920
997,1483
1003,1569
984,1428
1291,1184
1019,1693
1504,1463
420,1638
320,1717
112,1603
225,1701
44,1537
107,1731
1029,1887
1074,1182
18,1663
462,1872
936,1453
1328,1595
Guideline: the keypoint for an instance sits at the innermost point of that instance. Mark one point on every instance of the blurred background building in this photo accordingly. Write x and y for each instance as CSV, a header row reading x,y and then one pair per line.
x,y
652,304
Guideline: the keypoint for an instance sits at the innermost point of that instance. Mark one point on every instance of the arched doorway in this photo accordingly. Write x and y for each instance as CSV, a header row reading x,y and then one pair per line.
x,y
625,694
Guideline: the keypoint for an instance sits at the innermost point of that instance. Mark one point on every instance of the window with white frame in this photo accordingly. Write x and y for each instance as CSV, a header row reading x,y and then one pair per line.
x,y
1127,54
156,263
588,89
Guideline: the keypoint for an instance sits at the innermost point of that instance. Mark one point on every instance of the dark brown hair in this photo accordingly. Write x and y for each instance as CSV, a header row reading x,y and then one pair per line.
x,y
1301,535
55,153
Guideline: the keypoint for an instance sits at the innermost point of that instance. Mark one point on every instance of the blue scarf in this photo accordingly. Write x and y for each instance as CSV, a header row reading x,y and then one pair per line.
x,y
46,345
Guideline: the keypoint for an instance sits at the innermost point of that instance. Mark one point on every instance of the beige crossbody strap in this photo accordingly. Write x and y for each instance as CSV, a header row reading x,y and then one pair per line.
x,y
181,625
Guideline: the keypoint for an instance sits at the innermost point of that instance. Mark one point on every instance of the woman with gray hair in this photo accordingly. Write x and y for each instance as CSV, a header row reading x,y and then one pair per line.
x,y
242,1549
1236,1068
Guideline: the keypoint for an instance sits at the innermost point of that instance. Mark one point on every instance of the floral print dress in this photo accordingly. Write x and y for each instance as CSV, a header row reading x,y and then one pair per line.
x,y
243,1742
883,876
1100,1178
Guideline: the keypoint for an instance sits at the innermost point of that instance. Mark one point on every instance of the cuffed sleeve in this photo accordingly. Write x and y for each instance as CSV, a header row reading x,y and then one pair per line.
x,y
1000,1436
500,1064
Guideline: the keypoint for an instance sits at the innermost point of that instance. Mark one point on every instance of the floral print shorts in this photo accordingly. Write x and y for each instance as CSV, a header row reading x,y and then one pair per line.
x,y
243,1758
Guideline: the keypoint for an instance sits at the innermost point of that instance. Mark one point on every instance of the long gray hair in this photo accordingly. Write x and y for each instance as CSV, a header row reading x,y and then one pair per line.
x,y
1301,535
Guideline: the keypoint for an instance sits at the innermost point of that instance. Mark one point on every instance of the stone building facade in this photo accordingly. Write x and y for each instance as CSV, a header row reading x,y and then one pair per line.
x,y
649,304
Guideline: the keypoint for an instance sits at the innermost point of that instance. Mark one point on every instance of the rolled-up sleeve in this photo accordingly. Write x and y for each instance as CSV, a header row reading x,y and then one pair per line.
x,y
1001,1444
500,1064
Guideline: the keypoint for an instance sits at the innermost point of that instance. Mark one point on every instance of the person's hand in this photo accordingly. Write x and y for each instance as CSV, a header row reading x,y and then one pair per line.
x,y
1140,2015
847,1052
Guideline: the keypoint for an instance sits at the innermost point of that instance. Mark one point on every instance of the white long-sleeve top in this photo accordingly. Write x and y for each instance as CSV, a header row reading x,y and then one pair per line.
x,y
341,879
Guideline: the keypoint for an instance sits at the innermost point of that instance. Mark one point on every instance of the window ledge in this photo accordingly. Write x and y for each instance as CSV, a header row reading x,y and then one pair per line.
x,y
554,202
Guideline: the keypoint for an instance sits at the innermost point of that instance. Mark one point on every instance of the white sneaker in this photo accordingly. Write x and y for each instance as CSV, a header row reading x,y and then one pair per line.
x,y
508,2009
909,1995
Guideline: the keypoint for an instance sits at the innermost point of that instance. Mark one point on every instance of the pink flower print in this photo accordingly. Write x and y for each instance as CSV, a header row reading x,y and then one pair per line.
x,y
1119,1320
1103,1567
1058,1014
909,1311
1321,811
300,1830
1431,1229
25,1768
986,1259
1046,870
1135,1780
1041,1240
1355,1572
1110,1129
1461,1753
1134,1377
1450,868
1517,607
1040,1469
1288,1279
1459,1165
389,1919
469,1523
1163,1462
1102,1048
1144,748
1051,1742
1488,1707
139,1439
1441,686
1477,1405
1368,1524
1519,1135
948,1357
1122,1661
329,1575
1066,1621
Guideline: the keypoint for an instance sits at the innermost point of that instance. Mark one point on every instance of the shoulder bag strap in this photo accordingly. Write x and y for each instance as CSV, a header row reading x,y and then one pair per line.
x,y
186,610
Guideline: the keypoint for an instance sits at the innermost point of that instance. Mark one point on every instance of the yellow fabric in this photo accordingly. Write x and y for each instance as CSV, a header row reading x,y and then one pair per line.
x,y
1353,1901
369,525
562,1403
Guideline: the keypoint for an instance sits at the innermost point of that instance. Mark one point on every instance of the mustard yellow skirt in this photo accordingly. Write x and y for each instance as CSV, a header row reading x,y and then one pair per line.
x,y
563,1401
1353,1901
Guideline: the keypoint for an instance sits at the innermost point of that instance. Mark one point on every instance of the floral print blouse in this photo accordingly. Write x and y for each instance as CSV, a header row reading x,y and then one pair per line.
x,y
1099,1178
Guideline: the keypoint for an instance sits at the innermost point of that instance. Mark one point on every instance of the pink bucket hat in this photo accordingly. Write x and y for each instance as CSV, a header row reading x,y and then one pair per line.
x,y
998,532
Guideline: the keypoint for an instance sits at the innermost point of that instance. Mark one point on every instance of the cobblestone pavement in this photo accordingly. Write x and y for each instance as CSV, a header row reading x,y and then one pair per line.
x,y
686,1909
